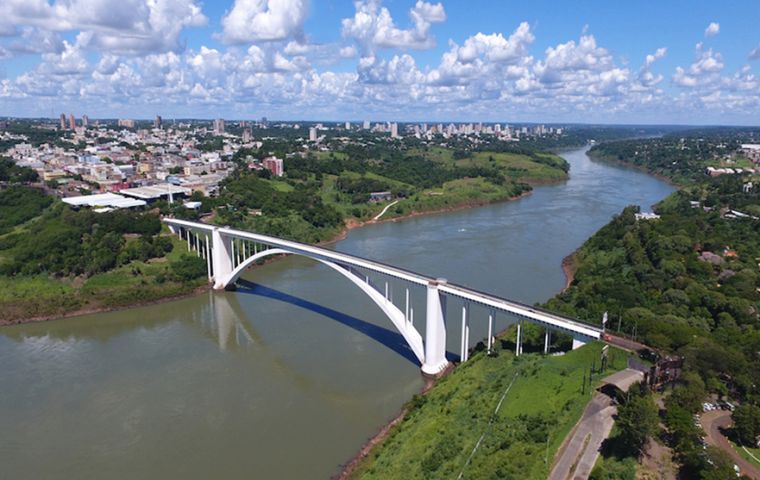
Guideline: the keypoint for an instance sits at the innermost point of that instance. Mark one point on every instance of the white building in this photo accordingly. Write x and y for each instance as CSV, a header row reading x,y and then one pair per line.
x,y
313,134
394,130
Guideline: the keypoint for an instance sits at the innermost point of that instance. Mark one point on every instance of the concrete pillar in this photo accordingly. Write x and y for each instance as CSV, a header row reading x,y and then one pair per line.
x,y
518,339
489,343
578,342
208,259
435,331
464,347
221,258
522,335
546,341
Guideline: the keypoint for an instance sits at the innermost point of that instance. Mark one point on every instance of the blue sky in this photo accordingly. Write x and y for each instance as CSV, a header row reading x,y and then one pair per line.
x,y
509,61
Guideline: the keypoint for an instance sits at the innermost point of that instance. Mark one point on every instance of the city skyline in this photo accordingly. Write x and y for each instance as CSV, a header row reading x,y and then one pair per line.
x,y
401,61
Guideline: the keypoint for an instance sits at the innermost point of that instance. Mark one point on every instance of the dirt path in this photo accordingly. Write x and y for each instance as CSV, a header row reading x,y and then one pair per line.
x,y
712,422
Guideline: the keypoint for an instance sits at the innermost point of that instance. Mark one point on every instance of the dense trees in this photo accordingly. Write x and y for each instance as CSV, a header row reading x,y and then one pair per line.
x,y
747,423
10,172
68,242
637,419
19,204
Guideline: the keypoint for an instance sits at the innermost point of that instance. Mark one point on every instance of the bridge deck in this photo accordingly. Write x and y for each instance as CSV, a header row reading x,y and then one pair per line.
x,y
532,313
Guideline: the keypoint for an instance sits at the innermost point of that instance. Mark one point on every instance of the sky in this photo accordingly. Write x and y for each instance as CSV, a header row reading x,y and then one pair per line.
x,y
586,61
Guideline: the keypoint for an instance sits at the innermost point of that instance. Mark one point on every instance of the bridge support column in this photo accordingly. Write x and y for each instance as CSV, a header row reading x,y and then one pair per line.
x,y
518,339
465,346
222,251
489,343
435,331
578,342
546,341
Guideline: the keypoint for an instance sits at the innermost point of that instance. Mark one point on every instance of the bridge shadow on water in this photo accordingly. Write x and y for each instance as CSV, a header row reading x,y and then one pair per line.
x,y
390,338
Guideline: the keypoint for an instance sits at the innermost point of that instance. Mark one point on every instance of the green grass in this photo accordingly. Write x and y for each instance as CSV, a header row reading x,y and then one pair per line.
x,y
456,193
325,155
754,451
441,429
281,186
520,167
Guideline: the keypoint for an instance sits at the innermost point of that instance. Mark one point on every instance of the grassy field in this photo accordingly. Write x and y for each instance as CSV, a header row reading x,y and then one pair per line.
x,y
453,194
438,434
517,167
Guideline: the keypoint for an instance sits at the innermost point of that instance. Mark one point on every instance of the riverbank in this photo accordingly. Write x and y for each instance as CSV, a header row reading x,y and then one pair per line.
x,y
639,168
354,223
569,267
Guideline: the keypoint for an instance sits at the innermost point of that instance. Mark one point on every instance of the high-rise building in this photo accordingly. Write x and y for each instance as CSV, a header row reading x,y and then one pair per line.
x,y
85,121
63,121
123,122
394,130
348,125
247,135
366,125
313,134
218,126
274,165
72,121
158,122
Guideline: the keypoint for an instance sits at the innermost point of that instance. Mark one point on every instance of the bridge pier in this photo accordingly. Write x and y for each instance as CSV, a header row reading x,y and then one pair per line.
x,y
546,341
221,262
435,331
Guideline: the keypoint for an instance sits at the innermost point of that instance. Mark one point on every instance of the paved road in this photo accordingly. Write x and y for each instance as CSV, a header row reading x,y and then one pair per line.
x,y
579,455
712,422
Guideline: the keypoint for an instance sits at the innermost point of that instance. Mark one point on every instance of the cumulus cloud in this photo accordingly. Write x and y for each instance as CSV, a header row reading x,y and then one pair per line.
x,y
373,27
121,26
705,69
252,21
647,80
712,29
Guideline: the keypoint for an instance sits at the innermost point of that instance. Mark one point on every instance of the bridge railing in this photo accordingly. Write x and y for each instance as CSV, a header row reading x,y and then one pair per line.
x,y
487,299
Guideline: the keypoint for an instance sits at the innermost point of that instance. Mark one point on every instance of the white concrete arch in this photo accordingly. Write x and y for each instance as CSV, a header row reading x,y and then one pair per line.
x,y
396,316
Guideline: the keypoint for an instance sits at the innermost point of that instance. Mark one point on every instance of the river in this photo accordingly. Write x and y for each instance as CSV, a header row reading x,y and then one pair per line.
x,y
289,375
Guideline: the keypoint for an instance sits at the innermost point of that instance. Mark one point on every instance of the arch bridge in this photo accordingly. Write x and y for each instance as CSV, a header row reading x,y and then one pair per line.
x,y
228,252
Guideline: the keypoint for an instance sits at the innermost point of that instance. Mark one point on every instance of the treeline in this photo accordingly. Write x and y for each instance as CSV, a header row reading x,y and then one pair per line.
x,y
68,242
680,156
12,173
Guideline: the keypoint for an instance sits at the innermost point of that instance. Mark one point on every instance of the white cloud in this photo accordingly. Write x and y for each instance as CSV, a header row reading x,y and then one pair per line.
x,y
252,21
712,29
120,26
705,69
348,52
755,53
373,27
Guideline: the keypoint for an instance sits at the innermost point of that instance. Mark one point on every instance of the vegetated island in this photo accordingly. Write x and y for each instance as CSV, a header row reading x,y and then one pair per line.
x,y
55,261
